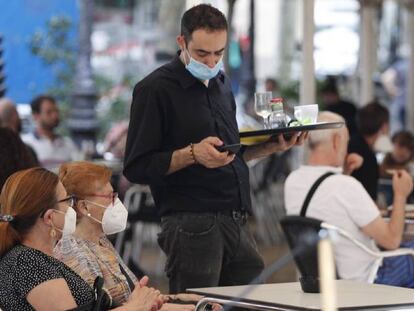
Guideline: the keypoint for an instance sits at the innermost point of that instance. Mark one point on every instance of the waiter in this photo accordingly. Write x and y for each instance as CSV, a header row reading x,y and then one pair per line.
x,y
180,113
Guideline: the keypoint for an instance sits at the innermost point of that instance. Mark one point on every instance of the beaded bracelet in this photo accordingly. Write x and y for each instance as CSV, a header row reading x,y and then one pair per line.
x,y
192,153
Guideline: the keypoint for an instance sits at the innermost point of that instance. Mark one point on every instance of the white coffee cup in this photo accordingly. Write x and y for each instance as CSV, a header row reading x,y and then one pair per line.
x,y
306,114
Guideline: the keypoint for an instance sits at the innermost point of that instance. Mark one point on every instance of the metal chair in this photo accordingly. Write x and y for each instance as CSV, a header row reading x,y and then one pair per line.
x,y
297,229
141,232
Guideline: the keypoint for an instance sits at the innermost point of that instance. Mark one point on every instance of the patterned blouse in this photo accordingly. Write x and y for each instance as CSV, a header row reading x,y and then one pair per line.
x,y
90,259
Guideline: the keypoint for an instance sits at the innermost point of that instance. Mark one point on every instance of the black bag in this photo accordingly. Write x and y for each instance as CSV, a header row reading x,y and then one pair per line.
x,y
102,301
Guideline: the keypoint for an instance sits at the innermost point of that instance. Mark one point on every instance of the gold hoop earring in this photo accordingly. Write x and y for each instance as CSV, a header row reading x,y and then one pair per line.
x,y
52,233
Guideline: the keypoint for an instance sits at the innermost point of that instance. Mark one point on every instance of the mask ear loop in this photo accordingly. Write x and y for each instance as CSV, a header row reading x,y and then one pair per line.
x,y
185,50
89,214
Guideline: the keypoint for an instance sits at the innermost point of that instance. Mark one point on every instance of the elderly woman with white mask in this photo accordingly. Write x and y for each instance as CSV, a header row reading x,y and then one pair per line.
x,y
88,251
35,212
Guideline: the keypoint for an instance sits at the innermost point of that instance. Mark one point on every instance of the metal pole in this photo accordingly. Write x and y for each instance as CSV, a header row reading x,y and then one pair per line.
x,y
307,85
409,105
82,120
286,37
368,46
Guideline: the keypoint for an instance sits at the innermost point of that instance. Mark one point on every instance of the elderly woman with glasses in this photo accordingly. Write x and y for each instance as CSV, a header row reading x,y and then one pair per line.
x,y
35,212
100,213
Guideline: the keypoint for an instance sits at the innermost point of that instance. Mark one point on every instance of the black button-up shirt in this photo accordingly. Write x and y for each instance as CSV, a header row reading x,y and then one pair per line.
x,y
171,109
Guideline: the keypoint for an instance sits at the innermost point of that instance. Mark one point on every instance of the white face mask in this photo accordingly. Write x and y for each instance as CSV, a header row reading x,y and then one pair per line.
x,y
115,217
69,226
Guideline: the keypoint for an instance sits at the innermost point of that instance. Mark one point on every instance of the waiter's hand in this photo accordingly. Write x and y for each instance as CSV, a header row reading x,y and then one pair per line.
x,y
207,155
280,144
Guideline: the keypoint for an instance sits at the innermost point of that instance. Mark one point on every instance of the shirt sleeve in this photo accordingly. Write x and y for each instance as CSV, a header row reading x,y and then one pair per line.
x,y
32,270
360,206
145,160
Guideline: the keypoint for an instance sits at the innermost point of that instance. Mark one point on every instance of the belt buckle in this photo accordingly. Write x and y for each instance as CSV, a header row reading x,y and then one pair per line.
x,y
239,217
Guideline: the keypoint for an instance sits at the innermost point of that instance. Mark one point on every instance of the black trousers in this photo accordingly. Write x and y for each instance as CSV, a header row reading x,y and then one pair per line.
x,y
206,250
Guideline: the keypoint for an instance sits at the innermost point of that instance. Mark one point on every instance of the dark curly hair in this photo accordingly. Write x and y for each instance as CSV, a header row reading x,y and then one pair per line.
x,y
202,16
14,155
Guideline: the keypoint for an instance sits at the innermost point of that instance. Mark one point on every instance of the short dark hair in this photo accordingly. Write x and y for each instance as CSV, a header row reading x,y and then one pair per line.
x,y
202,16
371,118
37,102
404,139
330,86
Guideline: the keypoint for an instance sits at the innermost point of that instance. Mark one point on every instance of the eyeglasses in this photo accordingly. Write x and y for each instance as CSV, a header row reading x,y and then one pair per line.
x,y
113,196
71,203
70,199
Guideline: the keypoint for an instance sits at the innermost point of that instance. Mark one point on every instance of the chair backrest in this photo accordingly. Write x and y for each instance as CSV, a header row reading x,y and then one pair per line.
x,y
301,234
140,205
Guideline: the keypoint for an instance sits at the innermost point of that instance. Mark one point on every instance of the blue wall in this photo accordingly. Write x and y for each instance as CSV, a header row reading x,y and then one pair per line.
x,y
26,75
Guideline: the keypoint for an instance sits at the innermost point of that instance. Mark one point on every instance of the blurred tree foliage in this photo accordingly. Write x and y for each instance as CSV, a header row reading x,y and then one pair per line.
x,y
58,50
114,103
54,47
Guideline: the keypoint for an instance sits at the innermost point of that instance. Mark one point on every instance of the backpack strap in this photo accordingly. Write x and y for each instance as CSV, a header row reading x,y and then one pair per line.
x,y
312,192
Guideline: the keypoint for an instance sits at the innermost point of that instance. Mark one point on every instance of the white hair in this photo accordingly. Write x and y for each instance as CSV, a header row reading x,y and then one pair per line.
x,y
319,137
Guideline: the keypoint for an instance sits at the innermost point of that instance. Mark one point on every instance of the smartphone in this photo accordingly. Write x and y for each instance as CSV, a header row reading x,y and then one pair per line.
x,y
233,148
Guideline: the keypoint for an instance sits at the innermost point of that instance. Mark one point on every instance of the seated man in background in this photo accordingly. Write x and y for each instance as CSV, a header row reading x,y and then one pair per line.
x,y
51,148
14,155
342,201
9,117
332,101
401,156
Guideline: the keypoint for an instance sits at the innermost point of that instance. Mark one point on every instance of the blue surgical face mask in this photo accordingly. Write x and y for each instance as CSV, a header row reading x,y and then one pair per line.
x,y
202,71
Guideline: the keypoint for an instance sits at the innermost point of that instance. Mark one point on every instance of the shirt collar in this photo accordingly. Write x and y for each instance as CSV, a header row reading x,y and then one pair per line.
x,y
185,78
38,137
323,168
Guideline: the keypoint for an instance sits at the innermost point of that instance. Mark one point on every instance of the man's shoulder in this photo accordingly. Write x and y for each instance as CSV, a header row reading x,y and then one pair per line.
x,y
337,177
67,141
28,137
162,74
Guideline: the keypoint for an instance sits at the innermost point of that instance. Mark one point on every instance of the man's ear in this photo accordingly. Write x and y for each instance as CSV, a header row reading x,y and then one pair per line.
x,y
35,116
181,42
336,141
385,129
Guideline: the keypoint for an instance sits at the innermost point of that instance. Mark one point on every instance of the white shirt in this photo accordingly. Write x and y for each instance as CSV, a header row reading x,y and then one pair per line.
x,y
51,153
342,201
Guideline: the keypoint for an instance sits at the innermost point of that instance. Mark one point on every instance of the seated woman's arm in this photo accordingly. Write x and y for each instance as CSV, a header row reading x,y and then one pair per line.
x,y
55,295
51,295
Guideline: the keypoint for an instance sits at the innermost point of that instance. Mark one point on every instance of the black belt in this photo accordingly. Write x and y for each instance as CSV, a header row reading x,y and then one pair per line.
x,y
238,215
